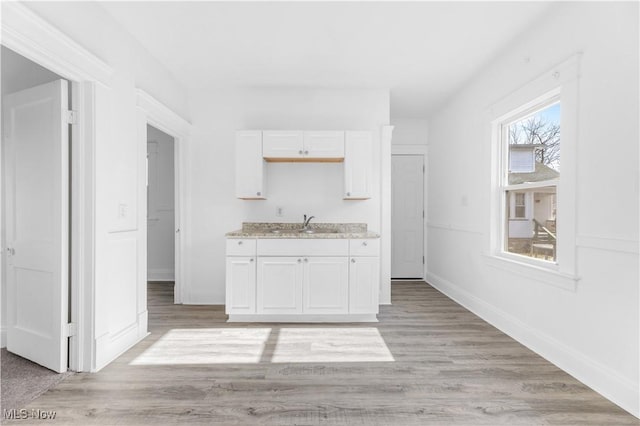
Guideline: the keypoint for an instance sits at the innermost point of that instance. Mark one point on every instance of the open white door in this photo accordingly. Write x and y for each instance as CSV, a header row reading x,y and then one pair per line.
x,y
407,216
36,141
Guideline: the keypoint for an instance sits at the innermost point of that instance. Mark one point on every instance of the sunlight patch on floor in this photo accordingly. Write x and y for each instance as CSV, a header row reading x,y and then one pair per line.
x,y
206,346
330,345
266,345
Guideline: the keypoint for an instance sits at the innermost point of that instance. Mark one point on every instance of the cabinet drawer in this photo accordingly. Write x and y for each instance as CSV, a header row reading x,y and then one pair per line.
x,y
303,247
364,247
241,247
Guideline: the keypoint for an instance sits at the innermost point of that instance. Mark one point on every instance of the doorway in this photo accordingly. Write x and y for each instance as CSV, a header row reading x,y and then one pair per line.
x,y
161,211
407,216
36,212
160,206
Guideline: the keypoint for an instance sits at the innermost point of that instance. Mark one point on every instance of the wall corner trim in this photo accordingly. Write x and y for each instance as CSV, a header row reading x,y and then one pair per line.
x,y
161,116
33,37
601,378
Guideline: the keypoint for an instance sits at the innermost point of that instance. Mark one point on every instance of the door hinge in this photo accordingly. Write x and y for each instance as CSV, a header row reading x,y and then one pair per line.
x,y
72,117
72,329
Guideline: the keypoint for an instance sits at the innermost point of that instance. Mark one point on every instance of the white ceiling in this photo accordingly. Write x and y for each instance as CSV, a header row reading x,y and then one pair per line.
x,y
422,51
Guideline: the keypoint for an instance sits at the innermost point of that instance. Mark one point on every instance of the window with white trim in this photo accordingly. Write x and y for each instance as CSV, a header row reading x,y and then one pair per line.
x,y
550,198
530,141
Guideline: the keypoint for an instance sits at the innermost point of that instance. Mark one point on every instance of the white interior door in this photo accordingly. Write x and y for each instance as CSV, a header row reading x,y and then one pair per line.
x,y
36,141
407,216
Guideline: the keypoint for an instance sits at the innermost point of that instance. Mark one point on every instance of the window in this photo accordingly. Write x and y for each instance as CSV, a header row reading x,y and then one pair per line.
x,y
529,180
519,211
533,179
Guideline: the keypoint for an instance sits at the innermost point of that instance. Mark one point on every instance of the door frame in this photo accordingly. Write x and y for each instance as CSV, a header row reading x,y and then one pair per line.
x,y
154,113
418,150
27,34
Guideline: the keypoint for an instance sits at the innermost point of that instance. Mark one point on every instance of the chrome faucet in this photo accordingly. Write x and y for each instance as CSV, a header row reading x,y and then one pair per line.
x,y
305,221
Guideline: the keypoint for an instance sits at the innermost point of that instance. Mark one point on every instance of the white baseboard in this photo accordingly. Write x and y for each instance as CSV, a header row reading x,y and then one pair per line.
x,y
3,337
610,384
161,275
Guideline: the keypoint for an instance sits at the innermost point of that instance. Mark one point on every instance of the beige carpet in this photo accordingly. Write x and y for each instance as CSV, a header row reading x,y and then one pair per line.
x,y
23,381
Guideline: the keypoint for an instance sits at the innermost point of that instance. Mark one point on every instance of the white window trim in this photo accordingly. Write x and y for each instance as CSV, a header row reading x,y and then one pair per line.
x,y
561,82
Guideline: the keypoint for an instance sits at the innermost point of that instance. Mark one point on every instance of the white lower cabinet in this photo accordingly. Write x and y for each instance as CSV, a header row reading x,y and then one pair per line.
x,y
325,285
364,285
279,287
241,285
276,285
294,285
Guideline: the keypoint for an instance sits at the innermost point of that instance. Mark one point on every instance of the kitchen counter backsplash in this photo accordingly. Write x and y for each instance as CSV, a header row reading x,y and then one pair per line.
x,y
293,230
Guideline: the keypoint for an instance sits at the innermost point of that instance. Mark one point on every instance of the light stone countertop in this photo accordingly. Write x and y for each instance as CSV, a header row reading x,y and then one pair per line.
x,y
292,230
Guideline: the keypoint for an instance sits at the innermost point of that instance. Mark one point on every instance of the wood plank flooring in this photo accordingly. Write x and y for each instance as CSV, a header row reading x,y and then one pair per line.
x,y
427,362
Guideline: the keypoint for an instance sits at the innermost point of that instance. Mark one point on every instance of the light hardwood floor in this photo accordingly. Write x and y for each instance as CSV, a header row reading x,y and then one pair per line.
x,y
427,362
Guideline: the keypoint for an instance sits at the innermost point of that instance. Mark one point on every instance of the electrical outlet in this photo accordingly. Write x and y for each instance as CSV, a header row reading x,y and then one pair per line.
x,y
279,211
122,211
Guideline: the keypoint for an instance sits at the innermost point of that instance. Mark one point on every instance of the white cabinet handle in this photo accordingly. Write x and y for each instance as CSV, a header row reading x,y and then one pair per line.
x,y
300,152
306,153
348,194
306,260
239,243
364,243
299,260
258,193
251,260
353,261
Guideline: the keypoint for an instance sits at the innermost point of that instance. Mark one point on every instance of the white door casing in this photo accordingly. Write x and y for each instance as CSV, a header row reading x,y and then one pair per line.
x,y
36,138
407,216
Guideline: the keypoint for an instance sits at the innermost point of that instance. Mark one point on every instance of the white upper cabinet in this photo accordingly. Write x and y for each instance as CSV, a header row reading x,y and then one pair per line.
x,y
288,145
324,144
251,176
282,144
358,165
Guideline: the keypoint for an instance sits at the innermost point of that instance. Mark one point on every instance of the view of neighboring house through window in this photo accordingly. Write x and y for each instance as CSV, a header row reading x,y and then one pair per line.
x,y
531,181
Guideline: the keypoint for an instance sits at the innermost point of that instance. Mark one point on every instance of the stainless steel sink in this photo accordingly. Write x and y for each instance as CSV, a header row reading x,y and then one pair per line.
x,y
319,231
280,231
304,231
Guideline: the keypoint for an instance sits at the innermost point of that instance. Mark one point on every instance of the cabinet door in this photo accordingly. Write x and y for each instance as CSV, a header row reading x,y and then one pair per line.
x,y
325,286
277,144
364,285
250,167
324,144
240,285
358,165
279,285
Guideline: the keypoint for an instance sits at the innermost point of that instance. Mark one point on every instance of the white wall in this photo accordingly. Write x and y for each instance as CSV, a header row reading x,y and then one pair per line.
x,y
593,332
311,188
410,131
120,245
18,73
160,202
